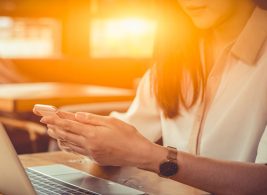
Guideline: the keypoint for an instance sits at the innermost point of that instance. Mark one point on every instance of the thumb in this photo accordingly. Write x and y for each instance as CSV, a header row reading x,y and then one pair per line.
x,y
92,119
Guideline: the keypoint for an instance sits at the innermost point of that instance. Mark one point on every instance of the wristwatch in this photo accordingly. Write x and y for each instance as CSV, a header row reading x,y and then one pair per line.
x,y
169,167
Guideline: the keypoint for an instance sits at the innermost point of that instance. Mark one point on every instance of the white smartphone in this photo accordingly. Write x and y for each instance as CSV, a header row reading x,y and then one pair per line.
x,y
44,110
49,110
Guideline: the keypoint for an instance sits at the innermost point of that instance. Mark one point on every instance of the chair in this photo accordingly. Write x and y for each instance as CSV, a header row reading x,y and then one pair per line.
x,y
34,130
9,74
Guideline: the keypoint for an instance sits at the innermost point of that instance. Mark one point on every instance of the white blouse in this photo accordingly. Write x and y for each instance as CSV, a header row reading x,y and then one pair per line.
x,y
231,124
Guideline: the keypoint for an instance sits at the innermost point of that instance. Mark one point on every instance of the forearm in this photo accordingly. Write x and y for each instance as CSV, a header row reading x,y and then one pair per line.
x,y
219,177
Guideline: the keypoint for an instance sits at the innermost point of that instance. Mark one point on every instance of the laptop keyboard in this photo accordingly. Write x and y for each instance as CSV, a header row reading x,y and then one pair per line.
x,y
47,185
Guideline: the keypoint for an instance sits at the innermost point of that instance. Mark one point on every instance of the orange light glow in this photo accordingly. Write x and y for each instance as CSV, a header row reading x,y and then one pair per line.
x,y
29,38
130,37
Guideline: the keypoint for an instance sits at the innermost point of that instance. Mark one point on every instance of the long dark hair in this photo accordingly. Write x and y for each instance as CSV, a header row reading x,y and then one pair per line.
x,y
176,57
261,3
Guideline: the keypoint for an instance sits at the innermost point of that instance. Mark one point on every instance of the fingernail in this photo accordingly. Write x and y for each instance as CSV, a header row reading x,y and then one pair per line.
x,y
43,120
49,131
81,116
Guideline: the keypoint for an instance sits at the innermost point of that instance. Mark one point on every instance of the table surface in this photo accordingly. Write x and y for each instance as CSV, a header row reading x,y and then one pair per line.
x,y
22,97
133,177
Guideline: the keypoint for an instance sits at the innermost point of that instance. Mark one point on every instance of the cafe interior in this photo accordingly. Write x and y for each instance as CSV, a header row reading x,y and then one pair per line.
x,y
76,55
85,55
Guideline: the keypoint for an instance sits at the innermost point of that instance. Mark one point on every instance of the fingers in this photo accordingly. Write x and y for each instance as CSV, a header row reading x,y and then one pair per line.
x,y
92,119
66,115
77,150
71,126
51,133
62,146
61,143
69,147
60,134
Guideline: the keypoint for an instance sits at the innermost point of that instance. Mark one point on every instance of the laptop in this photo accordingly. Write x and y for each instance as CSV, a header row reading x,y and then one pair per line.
x,y
52,179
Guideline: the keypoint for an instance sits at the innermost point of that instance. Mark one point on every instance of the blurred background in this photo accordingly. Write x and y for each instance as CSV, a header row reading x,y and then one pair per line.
x,y
107,42
76,54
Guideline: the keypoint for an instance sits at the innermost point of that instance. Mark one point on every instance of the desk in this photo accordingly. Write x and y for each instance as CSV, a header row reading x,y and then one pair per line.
x,y
22,97
133,177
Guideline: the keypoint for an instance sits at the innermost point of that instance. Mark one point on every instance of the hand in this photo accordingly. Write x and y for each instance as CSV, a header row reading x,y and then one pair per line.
x,y
62,144
106,140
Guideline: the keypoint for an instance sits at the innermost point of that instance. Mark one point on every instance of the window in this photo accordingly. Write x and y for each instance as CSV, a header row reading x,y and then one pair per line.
x,y
29,37
122,38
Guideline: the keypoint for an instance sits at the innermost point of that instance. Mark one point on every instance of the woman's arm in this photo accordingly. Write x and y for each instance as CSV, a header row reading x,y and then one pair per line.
x,y
109,141
218,177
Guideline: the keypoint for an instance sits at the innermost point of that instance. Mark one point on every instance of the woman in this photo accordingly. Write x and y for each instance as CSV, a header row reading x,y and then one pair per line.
x,y
208,100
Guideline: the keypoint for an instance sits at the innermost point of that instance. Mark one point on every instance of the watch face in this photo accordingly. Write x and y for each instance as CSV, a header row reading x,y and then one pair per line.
x,y
168,169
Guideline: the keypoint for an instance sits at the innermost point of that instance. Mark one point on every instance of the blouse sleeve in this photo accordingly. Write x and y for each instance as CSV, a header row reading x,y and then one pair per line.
x,y
143,113
262,149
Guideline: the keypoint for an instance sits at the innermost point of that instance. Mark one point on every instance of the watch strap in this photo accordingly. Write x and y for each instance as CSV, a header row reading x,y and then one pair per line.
x,y
169,167
172,154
